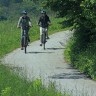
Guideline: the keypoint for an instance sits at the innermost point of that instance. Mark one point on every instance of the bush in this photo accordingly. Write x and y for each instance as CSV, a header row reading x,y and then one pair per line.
x,y
2,18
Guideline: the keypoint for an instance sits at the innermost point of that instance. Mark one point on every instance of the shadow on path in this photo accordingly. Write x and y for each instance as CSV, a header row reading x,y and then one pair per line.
x,y
39,52
55,48
73,75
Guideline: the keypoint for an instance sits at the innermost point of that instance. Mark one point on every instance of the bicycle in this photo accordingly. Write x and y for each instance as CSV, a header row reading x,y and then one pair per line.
x,y
25,40
43,37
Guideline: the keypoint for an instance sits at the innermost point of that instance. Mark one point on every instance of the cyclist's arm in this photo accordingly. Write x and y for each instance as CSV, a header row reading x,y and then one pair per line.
x,y
48,19
39,21
19,22
49,22
30,24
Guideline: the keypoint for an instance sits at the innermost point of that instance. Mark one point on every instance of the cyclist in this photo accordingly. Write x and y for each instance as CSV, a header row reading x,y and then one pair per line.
x,y
44,22
24,23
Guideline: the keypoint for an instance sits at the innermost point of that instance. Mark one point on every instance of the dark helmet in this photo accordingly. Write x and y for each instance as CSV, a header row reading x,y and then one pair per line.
x,y
24,12
43,12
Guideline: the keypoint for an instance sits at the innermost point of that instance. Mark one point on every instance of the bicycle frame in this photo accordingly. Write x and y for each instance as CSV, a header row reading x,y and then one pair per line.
x,y
25,40
43,37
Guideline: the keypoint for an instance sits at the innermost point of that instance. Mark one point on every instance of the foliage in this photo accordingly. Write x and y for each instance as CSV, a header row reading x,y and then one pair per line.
x,y
11,9
82,58
82,16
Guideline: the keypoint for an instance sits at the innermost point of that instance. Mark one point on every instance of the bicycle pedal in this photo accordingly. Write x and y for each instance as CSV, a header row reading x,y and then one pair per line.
x,y
22,48
40,44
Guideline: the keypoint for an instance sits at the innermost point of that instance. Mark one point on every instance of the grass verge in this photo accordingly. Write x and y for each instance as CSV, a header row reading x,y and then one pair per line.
x,y
12,85
81,57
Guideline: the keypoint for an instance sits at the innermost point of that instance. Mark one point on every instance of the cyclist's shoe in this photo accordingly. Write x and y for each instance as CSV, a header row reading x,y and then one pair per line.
x,y
47,38
40,44
21,48
28,40
28,43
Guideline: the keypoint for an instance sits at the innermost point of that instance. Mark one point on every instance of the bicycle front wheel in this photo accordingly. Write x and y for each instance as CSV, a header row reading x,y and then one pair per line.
x,y
44,46
44,40
25,45
25,49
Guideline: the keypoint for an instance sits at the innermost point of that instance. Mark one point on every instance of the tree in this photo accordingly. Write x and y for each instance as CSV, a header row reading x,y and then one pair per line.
x,y
18,1
80,13
4,3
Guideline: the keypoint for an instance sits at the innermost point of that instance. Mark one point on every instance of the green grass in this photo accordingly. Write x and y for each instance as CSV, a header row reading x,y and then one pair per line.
x,y
67,52
81,58
8,37
12,85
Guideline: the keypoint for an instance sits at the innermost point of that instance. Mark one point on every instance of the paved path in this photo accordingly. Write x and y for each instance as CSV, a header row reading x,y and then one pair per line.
x,y
49,65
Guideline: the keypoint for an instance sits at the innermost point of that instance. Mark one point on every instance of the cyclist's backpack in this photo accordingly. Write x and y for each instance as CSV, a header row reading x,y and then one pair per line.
x,y
25,21
44,21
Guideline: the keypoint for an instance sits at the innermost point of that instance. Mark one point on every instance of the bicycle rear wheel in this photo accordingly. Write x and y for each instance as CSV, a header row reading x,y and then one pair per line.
x,y
25,49
25,44
44,46
44,40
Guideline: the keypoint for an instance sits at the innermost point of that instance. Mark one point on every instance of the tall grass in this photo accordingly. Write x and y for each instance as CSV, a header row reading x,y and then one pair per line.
x,y
82,58
12,85
8,37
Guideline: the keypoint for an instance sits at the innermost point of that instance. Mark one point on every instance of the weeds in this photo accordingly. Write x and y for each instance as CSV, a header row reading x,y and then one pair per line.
x,y
13,85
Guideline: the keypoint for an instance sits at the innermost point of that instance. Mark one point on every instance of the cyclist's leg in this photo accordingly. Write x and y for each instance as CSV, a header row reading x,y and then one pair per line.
x,y
47,33
22,34
45,30
40,36
28,34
